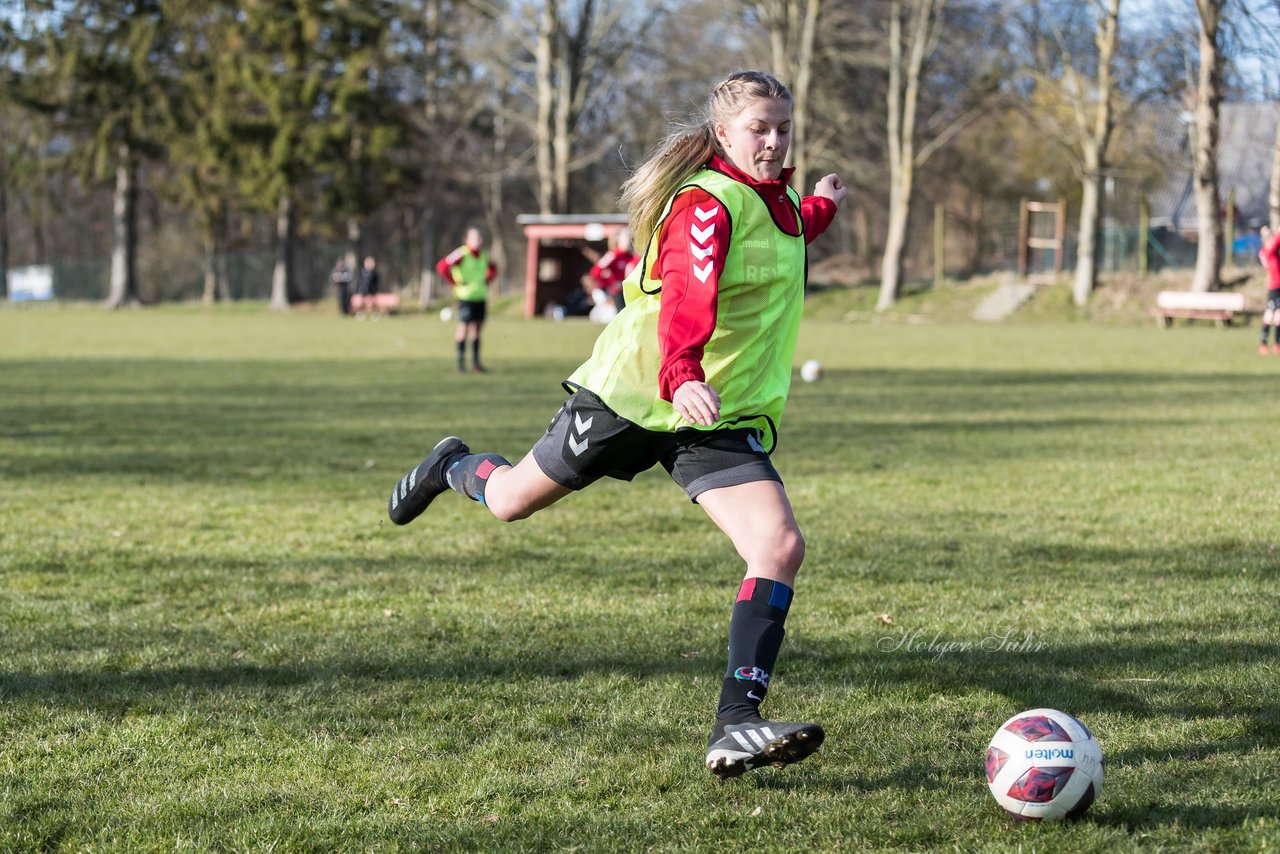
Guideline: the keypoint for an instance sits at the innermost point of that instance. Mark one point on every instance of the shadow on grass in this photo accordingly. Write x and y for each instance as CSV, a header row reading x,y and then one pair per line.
x,y
229,421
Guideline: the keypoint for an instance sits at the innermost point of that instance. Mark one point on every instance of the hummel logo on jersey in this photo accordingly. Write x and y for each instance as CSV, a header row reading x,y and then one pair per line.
x,y
698,247
701,254
707,214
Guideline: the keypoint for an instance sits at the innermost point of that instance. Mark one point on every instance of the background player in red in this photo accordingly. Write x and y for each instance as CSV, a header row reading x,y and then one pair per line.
x,y
1269,254
613,266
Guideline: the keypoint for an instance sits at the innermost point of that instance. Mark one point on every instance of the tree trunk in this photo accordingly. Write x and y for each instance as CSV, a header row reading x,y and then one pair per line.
x,y
561,136
216,286
123,288
1273,197
1095,130
903,98
497,202
800,94
1208,203
1086,274
544,53
355,239
894,246
427,274
209,294
977,218
792,54
282,274
862,236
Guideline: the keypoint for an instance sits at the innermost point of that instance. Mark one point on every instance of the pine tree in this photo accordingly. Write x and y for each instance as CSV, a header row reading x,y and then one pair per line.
x,y
104,69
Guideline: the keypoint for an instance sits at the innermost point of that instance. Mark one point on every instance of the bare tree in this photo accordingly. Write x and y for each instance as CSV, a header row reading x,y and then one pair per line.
x,y
1073,101
1205,186
1094,117
906,63
792,27
578,53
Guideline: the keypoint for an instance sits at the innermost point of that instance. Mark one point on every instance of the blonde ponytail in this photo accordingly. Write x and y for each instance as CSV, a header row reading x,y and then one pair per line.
x,y
688,148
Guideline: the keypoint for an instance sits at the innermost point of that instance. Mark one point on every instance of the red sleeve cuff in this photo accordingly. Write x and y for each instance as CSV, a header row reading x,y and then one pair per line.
x,y
676,374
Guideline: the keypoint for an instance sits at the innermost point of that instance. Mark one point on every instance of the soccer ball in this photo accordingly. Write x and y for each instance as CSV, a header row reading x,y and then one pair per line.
x,y
1044,764
811,371
446,314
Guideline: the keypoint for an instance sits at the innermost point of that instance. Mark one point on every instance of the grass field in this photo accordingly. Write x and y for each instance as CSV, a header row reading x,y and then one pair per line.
x,y
212,639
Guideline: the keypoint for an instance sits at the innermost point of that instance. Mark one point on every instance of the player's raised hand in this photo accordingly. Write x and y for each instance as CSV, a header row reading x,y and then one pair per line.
x,y
829,187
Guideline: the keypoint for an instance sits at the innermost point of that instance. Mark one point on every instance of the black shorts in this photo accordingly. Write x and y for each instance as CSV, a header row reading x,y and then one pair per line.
x,y
587,441
1273,299
471,312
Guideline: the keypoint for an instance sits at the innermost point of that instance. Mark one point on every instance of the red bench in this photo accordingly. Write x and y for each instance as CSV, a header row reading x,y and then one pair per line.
x,y
375,303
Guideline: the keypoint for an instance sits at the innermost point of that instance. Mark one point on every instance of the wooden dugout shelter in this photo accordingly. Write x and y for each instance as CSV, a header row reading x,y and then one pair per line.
x,y
560,250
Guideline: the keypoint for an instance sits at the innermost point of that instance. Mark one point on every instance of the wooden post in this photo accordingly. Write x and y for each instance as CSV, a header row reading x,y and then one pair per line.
x,y
1060,235
1144,234
939,262
1023,233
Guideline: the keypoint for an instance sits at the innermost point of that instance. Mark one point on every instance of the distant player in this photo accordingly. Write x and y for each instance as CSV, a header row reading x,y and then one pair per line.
x,y
471,271
693,374
614,266
1269,255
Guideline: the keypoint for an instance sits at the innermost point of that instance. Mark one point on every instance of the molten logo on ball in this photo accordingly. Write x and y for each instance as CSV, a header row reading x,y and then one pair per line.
x,y
1044,764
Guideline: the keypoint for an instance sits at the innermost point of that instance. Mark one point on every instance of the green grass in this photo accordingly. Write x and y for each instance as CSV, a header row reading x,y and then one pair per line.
x,y
212,639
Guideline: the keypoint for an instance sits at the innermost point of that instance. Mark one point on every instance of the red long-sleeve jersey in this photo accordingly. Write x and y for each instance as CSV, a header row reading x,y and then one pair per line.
x,y
687,315
1270,257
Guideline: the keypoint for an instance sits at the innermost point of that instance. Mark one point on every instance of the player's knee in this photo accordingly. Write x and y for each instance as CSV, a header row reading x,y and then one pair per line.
x,y
791,549
507,508
783,551
504,511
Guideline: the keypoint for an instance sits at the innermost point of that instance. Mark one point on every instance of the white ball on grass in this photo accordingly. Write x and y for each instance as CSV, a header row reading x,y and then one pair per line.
x,y
811,371
446,314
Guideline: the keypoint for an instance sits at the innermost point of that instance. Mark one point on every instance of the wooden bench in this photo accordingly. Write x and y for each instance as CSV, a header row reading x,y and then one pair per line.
x,y
377,303
1212,305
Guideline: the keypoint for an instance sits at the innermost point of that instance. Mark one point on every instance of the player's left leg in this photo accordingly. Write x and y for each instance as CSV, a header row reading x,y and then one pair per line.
x,y
474,334
758,519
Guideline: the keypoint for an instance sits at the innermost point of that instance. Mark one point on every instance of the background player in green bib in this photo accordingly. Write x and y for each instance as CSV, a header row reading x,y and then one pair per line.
x,y
693,373
471,271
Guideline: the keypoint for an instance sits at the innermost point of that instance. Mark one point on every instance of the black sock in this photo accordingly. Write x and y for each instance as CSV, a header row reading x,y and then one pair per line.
x,y
475,352
462,355
470,474
1265,330
755,636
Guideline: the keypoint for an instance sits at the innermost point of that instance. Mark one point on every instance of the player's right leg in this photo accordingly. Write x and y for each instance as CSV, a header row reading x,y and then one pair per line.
x,y
510,492
584,442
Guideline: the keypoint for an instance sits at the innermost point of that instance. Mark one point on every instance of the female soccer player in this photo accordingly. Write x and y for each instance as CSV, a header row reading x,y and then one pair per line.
x,y
692,374
471,271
